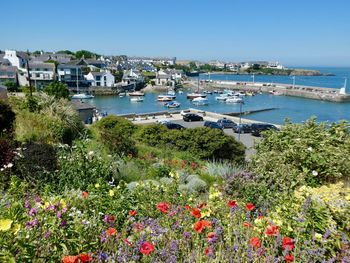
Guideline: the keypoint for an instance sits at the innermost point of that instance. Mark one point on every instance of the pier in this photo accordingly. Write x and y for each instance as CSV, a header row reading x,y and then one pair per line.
x,y
308,92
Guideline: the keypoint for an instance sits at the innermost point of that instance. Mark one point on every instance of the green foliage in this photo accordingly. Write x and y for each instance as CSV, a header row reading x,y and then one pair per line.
x,y
80,167
57,89
35,161
85,53
68,52
115,132
7,118
11,86
301,154
205,143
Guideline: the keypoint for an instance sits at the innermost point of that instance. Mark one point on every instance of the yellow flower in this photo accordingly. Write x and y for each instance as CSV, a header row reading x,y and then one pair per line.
x,y
318,236
63,203
16,229
111,193
206,213
5,224
97,185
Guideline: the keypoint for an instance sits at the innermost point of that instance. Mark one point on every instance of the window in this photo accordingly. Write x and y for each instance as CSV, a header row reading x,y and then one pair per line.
x,y
98,84
98,77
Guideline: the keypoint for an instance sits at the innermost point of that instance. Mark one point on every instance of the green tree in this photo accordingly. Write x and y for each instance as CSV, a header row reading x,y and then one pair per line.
x,y
11,86
85,53
57,89
68,52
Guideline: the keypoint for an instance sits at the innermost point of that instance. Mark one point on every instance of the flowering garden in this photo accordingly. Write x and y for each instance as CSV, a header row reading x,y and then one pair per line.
x,y
94,200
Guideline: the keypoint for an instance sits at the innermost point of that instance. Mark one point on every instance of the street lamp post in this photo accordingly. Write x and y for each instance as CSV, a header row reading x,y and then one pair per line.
x,y
293,81
240,120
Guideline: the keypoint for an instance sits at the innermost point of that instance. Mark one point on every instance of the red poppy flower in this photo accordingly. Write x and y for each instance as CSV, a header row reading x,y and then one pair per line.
x,y
250,206
126,241
146,248
247,224
289,258
85,194
84,257
255,242
288,243
201,225
232,203
163,207
201,205
196,213
187,207
211,235
111,231
70,259
109,218
208,250
272,230
132,213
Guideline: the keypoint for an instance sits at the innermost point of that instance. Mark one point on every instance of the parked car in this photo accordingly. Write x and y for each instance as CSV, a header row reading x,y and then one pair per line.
x,y
242,128
225,123
173,126
257,128
192,117
162,121
213,124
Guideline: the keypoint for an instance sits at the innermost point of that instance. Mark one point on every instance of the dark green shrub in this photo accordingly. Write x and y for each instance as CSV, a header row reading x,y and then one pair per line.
x,y
152,134
35,161
7,118
57,89
116,133
6,151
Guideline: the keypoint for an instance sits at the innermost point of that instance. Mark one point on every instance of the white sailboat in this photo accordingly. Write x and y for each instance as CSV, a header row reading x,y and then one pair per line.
x,y
79,95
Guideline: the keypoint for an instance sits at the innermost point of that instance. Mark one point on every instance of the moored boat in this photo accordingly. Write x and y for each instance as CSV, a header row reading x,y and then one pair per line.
x,y
200,101
136,99
136,94
82,96
192,96
172,104
234,99
163,98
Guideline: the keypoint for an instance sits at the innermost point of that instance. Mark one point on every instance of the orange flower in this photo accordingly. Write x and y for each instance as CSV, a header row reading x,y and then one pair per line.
x,y
146,248
250,206
84,257
289,258
196,213
247,224
163,207
132,213
85,194
272,230
111,231
70,259
201,225
255,242
187,207
201,205
232,203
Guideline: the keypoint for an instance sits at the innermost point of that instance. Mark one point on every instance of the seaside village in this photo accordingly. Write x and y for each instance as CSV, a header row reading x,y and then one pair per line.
x,y
89,74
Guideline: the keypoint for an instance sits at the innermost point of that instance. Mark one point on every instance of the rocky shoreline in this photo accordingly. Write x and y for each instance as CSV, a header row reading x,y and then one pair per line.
x,y
286,72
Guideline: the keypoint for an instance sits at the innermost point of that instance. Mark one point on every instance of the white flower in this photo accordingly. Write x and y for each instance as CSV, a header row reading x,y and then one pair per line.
x,y
309,149
314,173
2,169
91,153
9,165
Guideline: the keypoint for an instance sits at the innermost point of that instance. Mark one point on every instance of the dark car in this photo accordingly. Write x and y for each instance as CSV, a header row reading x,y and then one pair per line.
x,y
225,123
257,128
212,124
173,126
242,128
192,117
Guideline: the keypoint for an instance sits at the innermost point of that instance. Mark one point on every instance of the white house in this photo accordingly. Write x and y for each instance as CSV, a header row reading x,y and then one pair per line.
x,y
164,79
17,59
101,79
41,73
132,76
275,65
176,74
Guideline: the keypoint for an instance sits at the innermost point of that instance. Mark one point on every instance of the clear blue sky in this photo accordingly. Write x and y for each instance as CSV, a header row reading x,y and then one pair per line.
x,y
295,32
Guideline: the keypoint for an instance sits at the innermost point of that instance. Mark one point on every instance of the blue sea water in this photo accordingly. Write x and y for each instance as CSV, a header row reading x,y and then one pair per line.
x,y
293,108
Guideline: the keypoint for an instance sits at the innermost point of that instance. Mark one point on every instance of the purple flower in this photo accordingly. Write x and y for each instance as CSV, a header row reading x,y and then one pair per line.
x,y
59,214
47,234
187,235
63,223
33,211
33,223
27,204
37,199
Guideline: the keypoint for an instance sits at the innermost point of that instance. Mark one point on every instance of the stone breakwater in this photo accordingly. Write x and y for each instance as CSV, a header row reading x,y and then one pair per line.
x,y
309,92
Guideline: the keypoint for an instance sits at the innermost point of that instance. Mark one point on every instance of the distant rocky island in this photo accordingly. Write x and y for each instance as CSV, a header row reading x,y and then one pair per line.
x,y
281,72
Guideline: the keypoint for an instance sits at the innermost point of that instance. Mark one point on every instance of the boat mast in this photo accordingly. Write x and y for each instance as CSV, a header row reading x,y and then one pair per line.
x,y
77,82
